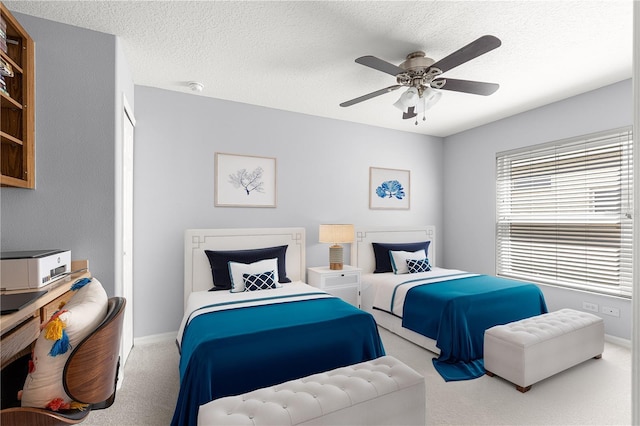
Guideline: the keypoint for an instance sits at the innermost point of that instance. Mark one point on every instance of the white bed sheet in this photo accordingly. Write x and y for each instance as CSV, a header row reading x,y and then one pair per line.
x,y
389,295
218,300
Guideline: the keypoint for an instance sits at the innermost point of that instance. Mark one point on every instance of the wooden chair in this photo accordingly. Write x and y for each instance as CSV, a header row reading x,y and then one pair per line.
x,y
90,375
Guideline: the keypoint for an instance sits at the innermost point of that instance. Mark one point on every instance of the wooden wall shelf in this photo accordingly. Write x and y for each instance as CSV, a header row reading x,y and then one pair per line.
x,y
17,118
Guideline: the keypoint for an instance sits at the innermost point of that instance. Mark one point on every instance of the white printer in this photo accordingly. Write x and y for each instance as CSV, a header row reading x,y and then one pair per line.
x,y
22,270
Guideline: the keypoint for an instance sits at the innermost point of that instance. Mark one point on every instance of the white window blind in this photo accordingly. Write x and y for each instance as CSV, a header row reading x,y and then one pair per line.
x,y
564,213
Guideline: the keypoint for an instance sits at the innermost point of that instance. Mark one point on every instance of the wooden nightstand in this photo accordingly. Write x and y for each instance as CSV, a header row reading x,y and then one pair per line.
x,y
343,283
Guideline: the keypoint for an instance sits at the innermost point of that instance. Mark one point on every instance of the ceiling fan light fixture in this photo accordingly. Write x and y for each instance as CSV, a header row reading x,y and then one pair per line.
x,y
430,97
408,99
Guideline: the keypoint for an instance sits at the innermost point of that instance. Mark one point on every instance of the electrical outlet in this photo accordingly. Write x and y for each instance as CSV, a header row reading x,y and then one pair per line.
x,y
614,312
590,307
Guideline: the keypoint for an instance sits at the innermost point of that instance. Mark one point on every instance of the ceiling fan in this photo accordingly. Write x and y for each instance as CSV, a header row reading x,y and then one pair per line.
x,y
421,75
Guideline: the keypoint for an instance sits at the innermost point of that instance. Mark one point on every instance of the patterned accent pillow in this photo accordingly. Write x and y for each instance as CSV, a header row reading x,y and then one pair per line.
x,y
418,265
263,281
65,329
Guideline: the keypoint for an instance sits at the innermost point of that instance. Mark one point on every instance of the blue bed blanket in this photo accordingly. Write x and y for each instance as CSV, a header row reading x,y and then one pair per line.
x,y
238,350
456,313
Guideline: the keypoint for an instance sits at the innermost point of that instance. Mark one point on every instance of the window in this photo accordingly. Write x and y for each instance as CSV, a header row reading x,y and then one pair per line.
x,y
564,213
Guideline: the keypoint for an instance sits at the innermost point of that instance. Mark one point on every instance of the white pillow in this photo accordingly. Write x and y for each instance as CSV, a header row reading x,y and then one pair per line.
x,y
399,260
237,269
79,316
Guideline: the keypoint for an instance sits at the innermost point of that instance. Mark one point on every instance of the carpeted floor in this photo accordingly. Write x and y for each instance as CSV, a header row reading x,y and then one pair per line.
x,y
596,392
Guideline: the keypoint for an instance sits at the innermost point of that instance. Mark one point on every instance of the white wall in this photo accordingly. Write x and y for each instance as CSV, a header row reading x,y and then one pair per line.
x,y
72,206
469,183
322,177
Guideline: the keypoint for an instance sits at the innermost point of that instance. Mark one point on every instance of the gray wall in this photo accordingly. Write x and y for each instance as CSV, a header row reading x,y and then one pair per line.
x,y
469,183
72,207
322,177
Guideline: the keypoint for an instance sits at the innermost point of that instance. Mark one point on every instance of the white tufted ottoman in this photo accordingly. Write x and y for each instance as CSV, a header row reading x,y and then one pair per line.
x,y
383,391
527,351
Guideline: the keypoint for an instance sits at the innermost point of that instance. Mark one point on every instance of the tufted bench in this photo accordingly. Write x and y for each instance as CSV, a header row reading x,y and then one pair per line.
x,y
383,391
527,351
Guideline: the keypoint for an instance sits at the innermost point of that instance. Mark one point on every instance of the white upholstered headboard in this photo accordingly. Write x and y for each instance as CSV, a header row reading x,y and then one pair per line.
x,y
197,271
362,250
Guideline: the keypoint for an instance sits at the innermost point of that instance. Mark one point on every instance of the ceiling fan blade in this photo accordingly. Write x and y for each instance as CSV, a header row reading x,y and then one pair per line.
x,y
380,65
370,95
409,114
467,86
472,50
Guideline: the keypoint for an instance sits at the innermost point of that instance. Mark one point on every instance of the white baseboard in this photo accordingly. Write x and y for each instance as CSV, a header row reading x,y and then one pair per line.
x,y
618,341
155,338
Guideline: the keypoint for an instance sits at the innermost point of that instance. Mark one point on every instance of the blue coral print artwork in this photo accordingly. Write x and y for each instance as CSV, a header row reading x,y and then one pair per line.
x,y
391,189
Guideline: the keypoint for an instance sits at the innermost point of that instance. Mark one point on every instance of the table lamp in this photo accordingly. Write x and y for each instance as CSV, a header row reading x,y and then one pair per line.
x,y
336,234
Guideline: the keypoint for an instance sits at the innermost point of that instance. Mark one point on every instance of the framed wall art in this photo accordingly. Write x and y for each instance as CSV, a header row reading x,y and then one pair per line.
x,y
244,181
389,189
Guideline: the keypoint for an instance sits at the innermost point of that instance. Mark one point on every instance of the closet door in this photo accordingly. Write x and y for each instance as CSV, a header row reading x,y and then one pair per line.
x,y
128,125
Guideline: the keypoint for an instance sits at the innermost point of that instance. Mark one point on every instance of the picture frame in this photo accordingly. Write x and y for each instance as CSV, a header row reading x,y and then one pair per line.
x,y
389,189
244,181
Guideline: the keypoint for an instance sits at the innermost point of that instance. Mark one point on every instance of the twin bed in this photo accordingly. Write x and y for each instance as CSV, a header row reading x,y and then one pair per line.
x,y
234,342
443,310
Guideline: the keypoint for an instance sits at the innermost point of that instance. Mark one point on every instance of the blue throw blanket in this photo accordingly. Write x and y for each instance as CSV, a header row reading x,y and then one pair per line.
x,y
456,313
238,350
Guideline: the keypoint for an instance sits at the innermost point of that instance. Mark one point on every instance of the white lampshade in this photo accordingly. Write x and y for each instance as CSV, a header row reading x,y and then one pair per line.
x,y
408,99
411,98
336,234
429,98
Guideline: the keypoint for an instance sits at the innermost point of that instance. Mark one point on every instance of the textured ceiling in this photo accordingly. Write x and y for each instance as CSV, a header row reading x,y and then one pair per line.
x,y
299,55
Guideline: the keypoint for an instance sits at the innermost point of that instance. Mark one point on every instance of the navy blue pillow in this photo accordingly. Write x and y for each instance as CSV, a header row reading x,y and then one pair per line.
x,y
219,262
381,253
